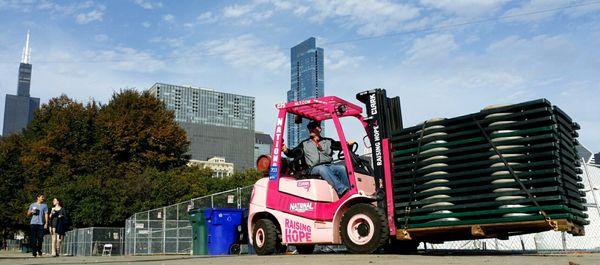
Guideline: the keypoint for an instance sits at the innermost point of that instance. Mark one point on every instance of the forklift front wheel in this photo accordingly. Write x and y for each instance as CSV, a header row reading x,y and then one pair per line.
x,y
364,229
266,237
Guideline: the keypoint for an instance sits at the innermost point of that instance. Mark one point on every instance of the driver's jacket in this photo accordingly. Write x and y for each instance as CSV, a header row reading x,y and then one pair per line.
x,y
318,152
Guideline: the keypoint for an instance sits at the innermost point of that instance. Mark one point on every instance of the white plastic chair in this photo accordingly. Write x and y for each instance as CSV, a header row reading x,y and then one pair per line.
x,y
107,250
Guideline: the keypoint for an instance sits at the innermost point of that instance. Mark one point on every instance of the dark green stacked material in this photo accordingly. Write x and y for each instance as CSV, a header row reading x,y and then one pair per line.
x,y
460,180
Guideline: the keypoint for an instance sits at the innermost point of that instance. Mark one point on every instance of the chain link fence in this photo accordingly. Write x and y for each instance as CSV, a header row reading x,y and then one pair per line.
x,y
89,241
13,245
167,230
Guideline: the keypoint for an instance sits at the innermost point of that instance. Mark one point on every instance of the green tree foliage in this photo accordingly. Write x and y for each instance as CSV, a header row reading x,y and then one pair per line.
x,y
11,181
105,162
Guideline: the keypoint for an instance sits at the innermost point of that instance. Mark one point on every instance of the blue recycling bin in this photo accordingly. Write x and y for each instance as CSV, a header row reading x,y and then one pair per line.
x,y
223,229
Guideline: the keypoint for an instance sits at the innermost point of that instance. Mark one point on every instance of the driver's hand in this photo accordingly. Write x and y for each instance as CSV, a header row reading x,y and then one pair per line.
x,y
351,142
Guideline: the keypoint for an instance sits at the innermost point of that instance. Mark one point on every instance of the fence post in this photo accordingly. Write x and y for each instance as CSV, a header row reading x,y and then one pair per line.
x,y
91,241
164,232
239,198
149,232
134,234
522,243
177,229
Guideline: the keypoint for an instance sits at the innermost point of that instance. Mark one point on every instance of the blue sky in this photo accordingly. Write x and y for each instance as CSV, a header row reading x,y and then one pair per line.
x,y
442,57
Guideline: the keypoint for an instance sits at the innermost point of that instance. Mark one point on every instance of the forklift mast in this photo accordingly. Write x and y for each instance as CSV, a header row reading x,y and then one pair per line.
x,y
383,116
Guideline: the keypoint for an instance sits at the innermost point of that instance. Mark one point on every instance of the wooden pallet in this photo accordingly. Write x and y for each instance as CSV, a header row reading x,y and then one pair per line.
x,y
493,230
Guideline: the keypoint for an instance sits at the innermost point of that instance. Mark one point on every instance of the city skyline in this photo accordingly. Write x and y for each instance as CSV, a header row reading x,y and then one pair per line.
x,y
443,58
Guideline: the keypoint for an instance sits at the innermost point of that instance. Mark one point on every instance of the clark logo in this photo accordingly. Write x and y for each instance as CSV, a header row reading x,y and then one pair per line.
x,y
301,207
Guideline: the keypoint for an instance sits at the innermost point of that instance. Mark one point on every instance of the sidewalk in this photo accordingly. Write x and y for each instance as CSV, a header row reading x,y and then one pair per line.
x,y
582,259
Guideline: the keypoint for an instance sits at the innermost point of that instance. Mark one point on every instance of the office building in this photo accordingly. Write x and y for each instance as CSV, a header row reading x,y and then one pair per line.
x,y
307,81
217,124
262,144
218,165
20,108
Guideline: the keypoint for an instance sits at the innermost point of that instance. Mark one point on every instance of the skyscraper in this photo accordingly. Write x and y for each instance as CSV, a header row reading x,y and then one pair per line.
x,y
307,82
19,109
217,124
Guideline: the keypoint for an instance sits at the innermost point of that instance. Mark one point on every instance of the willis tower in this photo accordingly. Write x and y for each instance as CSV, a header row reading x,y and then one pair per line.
x,y
19,109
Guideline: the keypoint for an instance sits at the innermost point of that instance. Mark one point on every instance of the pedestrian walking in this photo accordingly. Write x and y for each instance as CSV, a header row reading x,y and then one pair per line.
x,y
38,211
58,225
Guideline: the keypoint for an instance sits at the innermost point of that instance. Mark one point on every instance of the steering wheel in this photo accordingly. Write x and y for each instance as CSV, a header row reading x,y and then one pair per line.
x,y
353,148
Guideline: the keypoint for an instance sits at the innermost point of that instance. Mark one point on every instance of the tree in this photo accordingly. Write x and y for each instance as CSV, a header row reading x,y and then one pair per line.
x,y
11,180
136,128
106,162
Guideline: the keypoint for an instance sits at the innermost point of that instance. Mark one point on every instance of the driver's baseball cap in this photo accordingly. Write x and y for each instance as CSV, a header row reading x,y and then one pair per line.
x,y
313,124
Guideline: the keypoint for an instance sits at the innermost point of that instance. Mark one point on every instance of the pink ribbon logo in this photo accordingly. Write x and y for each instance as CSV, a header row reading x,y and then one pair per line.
x,y
304,184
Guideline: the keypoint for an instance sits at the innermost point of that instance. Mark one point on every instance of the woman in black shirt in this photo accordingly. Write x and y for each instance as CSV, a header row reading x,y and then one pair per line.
x,y
58,227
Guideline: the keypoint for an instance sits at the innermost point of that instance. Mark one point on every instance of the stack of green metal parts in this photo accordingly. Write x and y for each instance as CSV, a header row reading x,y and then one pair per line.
x,y
446,172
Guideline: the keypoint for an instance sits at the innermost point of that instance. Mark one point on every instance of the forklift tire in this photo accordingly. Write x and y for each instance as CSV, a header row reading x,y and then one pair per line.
x,y
364,229
266,238
305,249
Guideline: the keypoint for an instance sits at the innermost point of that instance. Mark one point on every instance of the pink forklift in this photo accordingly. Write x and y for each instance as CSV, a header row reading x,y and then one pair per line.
x,y
290,207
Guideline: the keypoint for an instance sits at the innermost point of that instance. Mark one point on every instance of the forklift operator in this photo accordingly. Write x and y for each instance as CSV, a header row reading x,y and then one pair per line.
x,y
318,152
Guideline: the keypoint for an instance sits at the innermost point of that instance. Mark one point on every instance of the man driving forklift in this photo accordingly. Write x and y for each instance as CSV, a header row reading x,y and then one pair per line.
x,y
317,152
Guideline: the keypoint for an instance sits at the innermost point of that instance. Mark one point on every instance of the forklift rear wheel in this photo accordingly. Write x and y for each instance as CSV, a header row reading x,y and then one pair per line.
x,y
266,237
305,249
364,229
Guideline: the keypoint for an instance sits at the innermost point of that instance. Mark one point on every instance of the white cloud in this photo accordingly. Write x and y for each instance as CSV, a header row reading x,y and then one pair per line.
x,y
431,49
247,14
236,10
336,59
146,24
369,17
148,4
466,7
127,59
67,9
206,18
246,51
582,10
301,10
259,16
532,6
169,18
535,49
172,42
82,11
91,16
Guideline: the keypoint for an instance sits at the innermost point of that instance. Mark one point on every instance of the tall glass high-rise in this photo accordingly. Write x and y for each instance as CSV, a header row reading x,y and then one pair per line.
x,y
307,81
